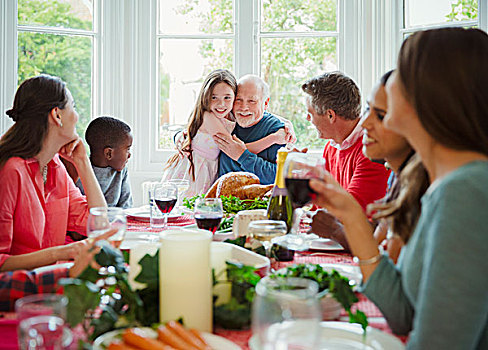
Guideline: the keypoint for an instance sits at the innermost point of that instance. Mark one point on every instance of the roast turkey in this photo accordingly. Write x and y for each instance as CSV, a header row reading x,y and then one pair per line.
x,y
241,184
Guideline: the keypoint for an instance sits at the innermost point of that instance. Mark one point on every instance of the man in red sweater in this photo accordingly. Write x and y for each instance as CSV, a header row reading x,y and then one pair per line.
x,y
334,105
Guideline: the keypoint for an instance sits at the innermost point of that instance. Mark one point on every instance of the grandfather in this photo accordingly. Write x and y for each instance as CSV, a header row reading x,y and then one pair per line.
x,y
253,123
334,104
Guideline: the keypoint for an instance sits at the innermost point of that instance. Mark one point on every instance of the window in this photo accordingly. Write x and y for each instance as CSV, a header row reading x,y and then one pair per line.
x,y
57,38
297,43
420,14
289,45
194,38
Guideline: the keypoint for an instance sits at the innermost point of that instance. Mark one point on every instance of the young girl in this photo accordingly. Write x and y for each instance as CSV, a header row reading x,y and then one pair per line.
x,y
197,159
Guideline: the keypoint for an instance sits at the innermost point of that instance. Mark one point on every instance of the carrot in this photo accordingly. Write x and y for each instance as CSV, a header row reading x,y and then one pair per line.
x,y
197,334
186,335
132,338
169,337
119,345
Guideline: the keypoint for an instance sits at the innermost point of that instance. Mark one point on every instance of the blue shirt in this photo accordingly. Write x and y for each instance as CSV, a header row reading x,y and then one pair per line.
x,y
262,164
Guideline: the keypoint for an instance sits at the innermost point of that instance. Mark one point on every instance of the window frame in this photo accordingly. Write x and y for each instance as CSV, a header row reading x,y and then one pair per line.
x,y
247,34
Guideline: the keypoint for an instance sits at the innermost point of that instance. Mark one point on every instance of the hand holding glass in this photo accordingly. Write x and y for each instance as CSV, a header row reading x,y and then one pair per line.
x,y
102,219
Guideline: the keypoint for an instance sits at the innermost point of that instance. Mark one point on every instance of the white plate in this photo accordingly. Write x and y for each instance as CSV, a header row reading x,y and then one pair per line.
x,y
325,244
215,341
348,336
134,238
142,213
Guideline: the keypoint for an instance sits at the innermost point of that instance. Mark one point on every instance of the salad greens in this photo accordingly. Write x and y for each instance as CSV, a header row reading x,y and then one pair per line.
x,y
333,283
231,204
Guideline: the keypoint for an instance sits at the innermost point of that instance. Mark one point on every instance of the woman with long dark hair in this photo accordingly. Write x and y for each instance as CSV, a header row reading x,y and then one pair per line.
x,y
438,100
38,200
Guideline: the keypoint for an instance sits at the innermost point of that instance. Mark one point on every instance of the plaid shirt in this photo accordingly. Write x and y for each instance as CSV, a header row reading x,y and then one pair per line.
x,y
17,284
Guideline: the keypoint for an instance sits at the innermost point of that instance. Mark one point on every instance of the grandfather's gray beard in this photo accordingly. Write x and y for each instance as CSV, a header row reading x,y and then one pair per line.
x,y
245,122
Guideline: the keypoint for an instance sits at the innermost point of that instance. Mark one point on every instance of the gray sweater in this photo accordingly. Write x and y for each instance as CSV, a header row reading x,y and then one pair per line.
x,y
115,186
439,290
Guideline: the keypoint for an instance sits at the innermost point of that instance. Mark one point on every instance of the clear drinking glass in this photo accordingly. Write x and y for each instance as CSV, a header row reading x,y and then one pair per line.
x,y
265,230
286,314
299,169
162,199
208,213
102,219
183,186
42,322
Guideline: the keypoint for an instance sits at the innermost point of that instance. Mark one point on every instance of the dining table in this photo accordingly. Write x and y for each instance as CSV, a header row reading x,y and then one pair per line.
x,y
8,322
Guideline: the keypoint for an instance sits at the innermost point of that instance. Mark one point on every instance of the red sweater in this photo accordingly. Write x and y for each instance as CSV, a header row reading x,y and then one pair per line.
x,y
364,179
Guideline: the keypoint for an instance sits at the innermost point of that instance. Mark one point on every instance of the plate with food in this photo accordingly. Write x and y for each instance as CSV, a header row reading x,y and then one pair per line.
x,y
172,334
142,213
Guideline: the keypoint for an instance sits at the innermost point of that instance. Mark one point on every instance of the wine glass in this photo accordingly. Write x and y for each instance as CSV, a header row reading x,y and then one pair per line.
x,y
208,213
266,230
102,219
183,186
162,200
299,169
286,314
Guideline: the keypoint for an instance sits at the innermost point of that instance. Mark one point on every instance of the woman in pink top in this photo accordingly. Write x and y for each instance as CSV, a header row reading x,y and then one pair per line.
x,y
38,200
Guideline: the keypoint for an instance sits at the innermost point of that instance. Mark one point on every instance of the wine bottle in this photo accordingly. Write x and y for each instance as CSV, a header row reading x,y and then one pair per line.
x,y
279,207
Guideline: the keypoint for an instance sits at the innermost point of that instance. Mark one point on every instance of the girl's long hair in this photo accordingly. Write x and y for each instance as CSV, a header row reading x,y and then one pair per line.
x,y
34,100
196,117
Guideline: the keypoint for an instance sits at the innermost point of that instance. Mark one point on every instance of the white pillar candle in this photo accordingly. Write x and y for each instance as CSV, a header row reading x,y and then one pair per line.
x,y
185,278
220,253
135,255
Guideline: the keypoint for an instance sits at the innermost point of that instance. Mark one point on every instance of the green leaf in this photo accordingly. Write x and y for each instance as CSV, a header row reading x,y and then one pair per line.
x,y
82,297
149,270
240,241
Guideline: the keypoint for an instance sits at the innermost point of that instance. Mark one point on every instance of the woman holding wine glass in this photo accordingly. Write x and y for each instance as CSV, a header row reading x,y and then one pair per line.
x,y
437,101
39,202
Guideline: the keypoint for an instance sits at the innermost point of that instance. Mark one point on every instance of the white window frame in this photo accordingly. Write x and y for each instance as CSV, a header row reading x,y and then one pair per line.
x,y
247,34
398,12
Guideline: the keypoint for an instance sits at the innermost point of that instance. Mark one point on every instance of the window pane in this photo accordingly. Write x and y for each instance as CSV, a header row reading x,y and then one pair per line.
x,y
286,65
183,66
68,57
298,16
75,14
420,12
195,16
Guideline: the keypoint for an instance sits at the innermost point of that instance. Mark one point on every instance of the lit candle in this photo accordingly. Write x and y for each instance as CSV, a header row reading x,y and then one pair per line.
x,y
220,253
135,255
185,278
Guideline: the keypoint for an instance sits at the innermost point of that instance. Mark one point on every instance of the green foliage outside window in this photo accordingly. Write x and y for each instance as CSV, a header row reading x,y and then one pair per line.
x,y
65,56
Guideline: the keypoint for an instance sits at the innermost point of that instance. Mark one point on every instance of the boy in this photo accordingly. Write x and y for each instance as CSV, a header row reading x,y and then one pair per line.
x,y
110,140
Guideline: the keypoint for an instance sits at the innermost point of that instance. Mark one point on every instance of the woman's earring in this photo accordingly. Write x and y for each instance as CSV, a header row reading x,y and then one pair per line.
x,y
60,123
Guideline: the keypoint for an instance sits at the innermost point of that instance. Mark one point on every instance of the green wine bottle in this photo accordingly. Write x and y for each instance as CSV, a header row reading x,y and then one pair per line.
x,y
279,207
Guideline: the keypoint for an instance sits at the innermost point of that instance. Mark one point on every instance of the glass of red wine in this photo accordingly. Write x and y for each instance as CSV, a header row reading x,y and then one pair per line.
x,y
208,213
163,197
299,169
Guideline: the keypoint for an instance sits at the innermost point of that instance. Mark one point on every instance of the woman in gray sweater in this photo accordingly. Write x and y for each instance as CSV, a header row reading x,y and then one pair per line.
x,y
438,100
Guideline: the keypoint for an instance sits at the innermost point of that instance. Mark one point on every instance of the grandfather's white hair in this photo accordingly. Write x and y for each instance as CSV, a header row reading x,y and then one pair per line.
x,y
256,80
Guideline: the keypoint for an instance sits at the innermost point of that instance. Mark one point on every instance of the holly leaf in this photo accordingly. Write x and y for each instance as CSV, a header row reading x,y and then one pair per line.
x,y
82,297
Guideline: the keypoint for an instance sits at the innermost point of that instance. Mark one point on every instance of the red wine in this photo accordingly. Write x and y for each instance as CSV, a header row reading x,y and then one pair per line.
x,y
299,191
208,222
165,205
